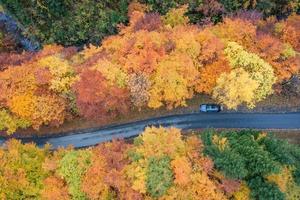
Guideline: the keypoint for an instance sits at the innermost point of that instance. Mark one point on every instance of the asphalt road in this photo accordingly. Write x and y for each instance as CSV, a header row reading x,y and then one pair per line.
x,y
186,121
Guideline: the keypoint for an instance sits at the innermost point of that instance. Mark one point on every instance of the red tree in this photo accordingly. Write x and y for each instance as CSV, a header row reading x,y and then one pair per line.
x,y
97,99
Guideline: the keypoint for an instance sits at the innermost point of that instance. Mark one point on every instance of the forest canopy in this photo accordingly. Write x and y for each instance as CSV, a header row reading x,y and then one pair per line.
x,y
161,163
155,61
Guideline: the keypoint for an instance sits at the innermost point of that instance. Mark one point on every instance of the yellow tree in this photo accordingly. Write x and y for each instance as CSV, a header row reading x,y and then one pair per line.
x,y
258,70
172,82
236,88
11,123
38,110
63,75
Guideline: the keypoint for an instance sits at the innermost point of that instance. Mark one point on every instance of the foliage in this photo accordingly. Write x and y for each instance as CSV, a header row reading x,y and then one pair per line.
x,y
260,189
105,178
170,83
197,11
243,193
242,156
159,164
54,188
182,170
280,55
175,17
162,6
160,176
157,142
281,179
149,22
72,168
11,123
236,88
258,69
139,85
236,30
97,99
154,61
37,90
38,110
68,22
272,7
63,75
289,31
167,166
21,172
288,51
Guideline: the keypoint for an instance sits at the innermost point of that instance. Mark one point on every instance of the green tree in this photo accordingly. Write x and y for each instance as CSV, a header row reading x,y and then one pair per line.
x,y
72,168
159,176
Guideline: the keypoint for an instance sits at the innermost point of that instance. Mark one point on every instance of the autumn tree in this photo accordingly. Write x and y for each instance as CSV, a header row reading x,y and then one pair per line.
x,y
139,85
144,51
289,31
26,95
114,73
55,188
281,56
149,22
176,17
184,41
63,75
21,172
182,170
236,88
167,166
210,60
172,82
259,70
94,180
38,110
240,31
72,168
11,123
97,99
105,177
209,75
14,59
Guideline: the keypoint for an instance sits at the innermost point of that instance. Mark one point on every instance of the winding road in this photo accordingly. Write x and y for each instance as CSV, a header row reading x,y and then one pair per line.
x,y
184,121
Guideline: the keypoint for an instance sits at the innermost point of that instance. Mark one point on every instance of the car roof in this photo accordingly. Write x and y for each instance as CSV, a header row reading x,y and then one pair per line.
x,y
209,104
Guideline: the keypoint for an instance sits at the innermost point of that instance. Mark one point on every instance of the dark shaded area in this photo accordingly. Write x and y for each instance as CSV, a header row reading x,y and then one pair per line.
x,y
10,27
68,22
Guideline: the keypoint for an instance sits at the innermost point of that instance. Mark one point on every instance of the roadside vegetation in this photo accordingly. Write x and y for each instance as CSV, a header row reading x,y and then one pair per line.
x,y
159,164
155,61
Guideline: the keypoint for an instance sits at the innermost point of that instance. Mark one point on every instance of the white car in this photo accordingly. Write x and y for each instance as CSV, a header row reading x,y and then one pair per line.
x,y
210,108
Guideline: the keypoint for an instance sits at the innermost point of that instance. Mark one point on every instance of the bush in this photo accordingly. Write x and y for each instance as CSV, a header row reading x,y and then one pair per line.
x,y
68,22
